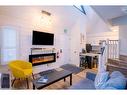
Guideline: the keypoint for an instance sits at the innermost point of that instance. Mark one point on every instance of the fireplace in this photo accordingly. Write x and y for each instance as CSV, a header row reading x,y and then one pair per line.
x,y
40,59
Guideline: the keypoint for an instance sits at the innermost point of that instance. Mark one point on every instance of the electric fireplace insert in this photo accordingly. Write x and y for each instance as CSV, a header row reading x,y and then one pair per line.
x,y
40,59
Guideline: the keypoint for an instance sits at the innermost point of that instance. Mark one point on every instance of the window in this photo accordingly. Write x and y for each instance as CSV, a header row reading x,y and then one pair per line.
x,y
9,44
81,9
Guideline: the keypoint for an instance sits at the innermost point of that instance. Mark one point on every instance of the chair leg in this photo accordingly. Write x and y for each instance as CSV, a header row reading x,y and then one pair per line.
x,y
13,81
33,75
27,83
96,65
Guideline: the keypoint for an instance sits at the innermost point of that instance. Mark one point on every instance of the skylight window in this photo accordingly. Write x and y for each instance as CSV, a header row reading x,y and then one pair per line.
x,y
80,8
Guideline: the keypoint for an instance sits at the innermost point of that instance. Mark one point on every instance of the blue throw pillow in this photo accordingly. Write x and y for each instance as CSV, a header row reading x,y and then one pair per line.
x,y
117,80
101,79
115,74
110,88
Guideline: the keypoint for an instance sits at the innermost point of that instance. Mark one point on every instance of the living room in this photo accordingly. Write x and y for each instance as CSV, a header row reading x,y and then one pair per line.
x,y
71,27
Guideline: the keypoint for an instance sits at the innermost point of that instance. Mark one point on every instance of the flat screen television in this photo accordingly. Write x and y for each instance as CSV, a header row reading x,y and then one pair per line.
x,y
42,38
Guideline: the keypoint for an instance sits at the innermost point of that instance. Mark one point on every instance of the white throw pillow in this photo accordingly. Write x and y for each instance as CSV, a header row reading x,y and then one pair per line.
x,y
101,79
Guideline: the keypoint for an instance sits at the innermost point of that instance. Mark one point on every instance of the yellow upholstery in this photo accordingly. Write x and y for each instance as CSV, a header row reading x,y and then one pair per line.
x,y
20,69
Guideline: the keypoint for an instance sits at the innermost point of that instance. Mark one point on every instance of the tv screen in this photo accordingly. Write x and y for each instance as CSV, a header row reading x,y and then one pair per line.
x,y
42,38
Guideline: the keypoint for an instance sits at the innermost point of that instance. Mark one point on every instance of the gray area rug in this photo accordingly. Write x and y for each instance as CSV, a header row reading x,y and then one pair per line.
x,y
72,68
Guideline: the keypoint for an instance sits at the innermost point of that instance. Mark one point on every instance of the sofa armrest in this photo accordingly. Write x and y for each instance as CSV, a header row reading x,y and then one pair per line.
x,y
90,75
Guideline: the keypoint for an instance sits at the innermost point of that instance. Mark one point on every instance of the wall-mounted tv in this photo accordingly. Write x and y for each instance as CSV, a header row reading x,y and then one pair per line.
x,y
42,38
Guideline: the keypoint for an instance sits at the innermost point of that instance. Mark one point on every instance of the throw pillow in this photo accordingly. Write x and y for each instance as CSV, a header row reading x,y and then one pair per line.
x,y
115,74
101,79
117,80
110,88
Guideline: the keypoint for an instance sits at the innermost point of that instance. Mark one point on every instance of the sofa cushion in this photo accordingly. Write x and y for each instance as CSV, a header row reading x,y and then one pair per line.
x,y
90,75
110,88
115,74
83,84
117,80
101,79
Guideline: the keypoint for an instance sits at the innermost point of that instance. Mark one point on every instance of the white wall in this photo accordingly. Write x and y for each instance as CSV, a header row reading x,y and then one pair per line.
x,y
97,28
96,37
123,39
29,18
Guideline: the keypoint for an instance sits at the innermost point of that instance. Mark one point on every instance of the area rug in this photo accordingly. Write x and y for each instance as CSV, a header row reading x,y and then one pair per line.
x,y
72,68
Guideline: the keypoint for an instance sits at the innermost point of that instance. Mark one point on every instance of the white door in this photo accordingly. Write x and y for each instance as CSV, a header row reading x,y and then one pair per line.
x,y
64,46
75,47
66,49
75,53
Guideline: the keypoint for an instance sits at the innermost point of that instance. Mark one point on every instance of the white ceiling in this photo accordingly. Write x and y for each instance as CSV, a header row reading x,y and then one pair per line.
x,y
107,13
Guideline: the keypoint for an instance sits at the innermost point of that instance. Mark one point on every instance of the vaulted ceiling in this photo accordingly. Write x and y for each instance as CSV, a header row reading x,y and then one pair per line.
x,y
113,15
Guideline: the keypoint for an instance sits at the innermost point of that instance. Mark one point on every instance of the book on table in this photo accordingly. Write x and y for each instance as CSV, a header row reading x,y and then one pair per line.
x,y
43,79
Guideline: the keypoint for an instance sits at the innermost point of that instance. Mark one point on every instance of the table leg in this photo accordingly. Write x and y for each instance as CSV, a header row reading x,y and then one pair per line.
x,y
70,79
27,81
33,87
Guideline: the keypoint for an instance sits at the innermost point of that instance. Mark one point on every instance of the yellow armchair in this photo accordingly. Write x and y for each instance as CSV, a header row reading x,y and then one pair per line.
x,y
21,70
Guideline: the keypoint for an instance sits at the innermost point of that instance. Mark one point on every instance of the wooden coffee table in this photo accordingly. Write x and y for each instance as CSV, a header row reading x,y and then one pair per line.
x,y
53,77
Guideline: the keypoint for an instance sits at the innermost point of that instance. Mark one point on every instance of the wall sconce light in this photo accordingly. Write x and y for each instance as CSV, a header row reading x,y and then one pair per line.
x,y
46,13
46,19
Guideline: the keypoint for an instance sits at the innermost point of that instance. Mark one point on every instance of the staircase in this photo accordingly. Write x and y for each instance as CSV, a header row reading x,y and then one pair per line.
x,y
119,64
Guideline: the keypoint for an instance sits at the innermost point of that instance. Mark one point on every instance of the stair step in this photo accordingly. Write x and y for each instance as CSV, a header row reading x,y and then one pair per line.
x,y
117,62
122,69
117,65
